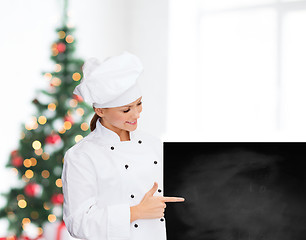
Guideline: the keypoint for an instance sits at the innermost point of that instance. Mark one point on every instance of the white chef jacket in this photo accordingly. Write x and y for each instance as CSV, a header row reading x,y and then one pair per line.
x,y
103,177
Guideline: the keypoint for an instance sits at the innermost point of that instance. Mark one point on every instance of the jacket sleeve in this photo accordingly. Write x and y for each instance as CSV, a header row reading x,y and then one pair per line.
x,y
81,214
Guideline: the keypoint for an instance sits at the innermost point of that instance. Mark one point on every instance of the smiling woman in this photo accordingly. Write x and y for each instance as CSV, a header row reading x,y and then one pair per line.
x,y
113,178
121,119
108,113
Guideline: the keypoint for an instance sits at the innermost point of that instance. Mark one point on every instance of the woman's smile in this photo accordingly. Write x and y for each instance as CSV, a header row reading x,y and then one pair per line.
x,y
132,123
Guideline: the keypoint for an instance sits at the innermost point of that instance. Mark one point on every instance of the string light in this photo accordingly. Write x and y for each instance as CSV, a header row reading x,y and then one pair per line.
x,y
67,125
58,67
51,218
84,126
15,171
54,46
51,107
35,126
62,130
80,111
48,76
27,163
61,34
42,120
59,183
69,39
47,206
38,152
33,161
55,52
29,174
45,174
25,179
45,156
76,76
78,138
36,144
40,231
20,197
54,49
73,103
56,81
32,124
22,203
22,135
26,221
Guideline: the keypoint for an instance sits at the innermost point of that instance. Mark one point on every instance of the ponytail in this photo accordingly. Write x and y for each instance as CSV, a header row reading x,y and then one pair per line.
x,y
93,122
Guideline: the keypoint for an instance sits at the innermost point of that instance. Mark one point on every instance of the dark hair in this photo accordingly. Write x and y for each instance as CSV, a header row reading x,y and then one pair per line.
x,y
93,121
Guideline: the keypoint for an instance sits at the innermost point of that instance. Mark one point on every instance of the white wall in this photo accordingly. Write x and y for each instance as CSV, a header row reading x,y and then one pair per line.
x,y
102,26
182,72
148,39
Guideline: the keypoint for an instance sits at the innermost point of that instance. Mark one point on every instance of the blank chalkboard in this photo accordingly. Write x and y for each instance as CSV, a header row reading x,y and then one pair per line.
x,y
236,191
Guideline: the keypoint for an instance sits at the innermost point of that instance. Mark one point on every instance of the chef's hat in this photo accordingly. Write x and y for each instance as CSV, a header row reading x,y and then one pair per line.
x,y
112,83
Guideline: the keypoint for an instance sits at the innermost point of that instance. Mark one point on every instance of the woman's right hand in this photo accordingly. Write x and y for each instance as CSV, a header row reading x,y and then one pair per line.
x,y
152,206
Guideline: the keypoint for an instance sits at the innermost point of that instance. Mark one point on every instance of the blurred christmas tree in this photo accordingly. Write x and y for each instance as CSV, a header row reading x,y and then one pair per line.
x,y
59,122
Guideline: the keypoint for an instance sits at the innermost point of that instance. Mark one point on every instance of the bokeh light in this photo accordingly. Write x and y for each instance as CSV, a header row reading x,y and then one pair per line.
x,y
45,156
51,107
78,138
38,152
51,218
69,39
27,163
57,67
42,120
26,221
61,34
76,76
73,103
36,145
59,183
62,130
29,174
56,81
45,174
80,111
67,125
22,203
33,161
20,197
84,126
47,206
48,76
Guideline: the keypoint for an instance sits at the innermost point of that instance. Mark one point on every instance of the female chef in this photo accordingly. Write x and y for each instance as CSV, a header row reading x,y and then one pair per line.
x,y
113,178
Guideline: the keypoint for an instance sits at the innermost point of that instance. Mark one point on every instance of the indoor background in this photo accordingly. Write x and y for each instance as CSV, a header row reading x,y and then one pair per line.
x,y
222,70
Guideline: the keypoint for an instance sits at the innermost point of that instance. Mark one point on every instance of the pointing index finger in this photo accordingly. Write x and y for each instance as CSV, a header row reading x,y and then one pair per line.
x,y
173,199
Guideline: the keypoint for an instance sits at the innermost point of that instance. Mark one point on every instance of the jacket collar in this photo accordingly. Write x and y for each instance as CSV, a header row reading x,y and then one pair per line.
x,y
110,136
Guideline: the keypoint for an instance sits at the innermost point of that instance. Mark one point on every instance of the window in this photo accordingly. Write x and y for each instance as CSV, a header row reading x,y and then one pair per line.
x,y
246,61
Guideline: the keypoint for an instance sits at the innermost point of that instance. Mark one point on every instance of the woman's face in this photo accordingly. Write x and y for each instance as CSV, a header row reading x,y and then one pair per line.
x,y
121,118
